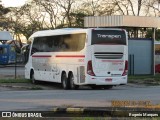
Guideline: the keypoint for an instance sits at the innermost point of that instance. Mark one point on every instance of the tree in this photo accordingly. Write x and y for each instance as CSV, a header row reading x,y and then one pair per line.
x,y
98,7
25,20
78,19
66,6
3,10
149,34
3,20
152,8
50,9
128,7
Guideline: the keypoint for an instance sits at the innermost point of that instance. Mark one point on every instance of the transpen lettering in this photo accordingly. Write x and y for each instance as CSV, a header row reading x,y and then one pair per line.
x,y
108,36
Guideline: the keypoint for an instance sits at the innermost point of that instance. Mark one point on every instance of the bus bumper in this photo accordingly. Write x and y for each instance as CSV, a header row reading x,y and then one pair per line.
x,y
106,80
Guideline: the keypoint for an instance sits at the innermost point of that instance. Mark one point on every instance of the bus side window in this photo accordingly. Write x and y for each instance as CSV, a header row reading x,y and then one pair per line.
x,y
34,50
62,45
1,50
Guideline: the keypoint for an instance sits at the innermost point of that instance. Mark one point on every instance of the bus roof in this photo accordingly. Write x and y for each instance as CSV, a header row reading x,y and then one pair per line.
x,y
5,35
57,32
65,31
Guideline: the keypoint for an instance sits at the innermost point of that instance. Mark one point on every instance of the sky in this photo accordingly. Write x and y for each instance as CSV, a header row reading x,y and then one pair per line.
x,y
13,3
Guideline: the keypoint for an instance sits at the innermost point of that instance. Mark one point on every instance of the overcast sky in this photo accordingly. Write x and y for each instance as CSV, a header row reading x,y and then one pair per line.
x,y
13,3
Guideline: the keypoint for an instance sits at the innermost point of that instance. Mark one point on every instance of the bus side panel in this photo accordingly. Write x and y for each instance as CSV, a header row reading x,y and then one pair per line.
x,y
69,62
61,67
42,66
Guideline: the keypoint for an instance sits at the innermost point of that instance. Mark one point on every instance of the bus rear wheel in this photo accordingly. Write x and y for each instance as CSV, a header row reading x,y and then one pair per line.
x,y
71,81
65,81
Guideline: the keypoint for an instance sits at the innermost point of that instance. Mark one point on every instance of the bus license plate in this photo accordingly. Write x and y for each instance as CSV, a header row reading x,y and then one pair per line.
x,y
108,79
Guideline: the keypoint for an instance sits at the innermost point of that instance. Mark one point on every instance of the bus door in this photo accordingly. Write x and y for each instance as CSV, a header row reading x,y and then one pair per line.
x,y
12,54
108,52
3,54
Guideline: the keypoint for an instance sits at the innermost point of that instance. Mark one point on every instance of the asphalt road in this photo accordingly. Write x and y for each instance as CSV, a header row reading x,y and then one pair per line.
x,y
55,96
48,99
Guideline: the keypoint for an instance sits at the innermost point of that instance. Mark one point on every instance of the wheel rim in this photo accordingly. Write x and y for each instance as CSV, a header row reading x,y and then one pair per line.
x,y
64,81
64,84
72,82
33,80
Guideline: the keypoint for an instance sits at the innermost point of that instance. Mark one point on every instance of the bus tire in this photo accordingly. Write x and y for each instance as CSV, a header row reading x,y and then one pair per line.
x,y
33,78
71,81
65,82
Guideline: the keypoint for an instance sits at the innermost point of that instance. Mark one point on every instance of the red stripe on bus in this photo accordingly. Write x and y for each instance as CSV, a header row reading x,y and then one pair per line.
x,y
41,56
71,56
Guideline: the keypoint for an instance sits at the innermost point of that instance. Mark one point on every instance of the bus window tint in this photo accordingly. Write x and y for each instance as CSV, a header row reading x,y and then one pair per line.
x,y
108,37
3,50
12,49
76,42
59,43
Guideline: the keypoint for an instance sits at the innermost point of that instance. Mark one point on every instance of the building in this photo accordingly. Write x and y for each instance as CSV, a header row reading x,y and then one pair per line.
x,y
141,49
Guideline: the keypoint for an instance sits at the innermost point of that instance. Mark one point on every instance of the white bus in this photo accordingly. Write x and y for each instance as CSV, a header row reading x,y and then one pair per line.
x,y
97,57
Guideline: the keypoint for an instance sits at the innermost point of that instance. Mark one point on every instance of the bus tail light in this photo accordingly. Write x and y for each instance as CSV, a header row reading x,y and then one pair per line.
x,y
125,68
90,68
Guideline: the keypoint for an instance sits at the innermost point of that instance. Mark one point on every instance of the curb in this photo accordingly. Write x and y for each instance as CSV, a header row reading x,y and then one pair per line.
x,y
12,86
22,87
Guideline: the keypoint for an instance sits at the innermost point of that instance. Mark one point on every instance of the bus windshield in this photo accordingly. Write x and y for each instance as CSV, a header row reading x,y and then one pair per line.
x,y
108,37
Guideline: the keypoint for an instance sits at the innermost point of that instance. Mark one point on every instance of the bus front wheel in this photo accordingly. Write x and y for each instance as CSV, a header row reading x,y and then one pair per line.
x,y
33,78
65,82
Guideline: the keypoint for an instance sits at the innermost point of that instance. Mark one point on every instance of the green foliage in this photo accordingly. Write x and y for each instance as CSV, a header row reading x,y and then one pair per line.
x,y
30,29
150,32
145,79
26,30
3,10
78,19
156,77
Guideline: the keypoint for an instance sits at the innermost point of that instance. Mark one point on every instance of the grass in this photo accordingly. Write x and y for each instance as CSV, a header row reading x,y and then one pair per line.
x,y
157,76
15,81
31,87
145,79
